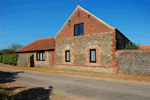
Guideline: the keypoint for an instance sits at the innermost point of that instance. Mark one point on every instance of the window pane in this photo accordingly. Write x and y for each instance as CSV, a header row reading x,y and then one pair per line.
x,y
40,55
81,29
68,54
93,55
43,55
76,29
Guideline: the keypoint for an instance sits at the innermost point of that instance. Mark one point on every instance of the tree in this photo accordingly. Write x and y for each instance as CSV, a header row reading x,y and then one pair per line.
x,y
15,46
7,51
130,46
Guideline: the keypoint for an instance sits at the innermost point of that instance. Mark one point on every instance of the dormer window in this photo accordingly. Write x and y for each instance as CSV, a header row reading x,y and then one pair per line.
x,y
79,29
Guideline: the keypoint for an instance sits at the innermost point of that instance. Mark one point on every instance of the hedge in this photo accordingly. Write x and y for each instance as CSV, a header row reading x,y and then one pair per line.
x,y
10,59
1,58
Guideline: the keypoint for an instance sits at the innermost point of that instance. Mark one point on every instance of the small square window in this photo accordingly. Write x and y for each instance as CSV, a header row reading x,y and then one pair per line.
x,y
67,54
79,29
93,55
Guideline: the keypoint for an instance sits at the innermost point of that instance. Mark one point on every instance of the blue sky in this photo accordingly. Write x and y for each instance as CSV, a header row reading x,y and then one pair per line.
x,y
24,21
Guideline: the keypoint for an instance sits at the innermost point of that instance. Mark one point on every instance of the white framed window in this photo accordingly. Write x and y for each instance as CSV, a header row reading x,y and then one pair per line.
x,y
67,55
41,56
92,55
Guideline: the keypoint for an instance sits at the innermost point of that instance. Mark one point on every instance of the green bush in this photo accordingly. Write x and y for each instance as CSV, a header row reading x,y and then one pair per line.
x,y
130,46
5,59
10,59
1,58
7,51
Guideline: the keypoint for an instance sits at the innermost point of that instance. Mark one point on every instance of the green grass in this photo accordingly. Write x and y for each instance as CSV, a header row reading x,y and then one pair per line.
x,y
2,90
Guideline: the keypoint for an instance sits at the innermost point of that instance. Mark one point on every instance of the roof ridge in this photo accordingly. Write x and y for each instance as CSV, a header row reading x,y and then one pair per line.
x,y
44,38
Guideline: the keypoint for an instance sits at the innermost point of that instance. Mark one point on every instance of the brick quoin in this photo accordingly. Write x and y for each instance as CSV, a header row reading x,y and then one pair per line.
x,y
114,60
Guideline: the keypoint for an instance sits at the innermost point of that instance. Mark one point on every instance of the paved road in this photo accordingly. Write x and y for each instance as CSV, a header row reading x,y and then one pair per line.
x,y
82,87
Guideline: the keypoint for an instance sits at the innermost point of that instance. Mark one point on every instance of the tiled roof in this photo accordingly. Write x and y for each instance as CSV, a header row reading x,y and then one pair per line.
x,y
40,44
144,47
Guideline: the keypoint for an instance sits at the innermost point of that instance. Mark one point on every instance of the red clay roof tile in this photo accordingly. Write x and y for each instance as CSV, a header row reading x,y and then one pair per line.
x,y
144,47
40,44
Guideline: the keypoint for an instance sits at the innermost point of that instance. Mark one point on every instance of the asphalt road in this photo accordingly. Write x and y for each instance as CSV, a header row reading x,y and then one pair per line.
x,y
93,89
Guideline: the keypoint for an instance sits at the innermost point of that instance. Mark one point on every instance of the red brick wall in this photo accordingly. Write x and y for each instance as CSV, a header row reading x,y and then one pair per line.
x,y
91,25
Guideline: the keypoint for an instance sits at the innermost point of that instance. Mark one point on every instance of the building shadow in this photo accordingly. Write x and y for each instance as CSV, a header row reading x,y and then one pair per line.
x,y
38,93
7,77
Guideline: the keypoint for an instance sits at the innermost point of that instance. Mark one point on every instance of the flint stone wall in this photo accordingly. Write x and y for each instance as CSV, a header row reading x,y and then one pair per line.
x,y
47,63
93,69
24,60
79,46
134,61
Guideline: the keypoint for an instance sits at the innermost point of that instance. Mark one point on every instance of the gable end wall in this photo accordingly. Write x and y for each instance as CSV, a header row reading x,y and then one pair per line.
x,y
91,25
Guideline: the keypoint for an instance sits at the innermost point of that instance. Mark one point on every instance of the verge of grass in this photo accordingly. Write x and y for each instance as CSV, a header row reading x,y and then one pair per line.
x,y
2,90
120,76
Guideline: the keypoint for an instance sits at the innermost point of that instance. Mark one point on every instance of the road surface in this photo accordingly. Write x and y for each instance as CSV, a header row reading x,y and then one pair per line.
x,y
93,89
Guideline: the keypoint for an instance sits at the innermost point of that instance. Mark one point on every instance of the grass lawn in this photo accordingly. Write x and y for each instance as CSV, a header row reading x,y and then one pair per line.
x,y
119,76
2,90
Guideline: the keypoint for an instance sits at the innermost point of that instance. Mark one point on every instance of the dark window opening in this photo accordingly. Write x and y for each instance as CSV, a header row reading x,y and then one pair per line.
x,y
40,56
79,29
93,55
67,55
69,22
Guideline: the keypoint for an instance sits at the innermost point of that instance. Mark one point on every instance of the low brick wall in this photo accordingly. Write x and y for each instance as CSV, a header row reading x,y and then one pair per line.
x,y
134,61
